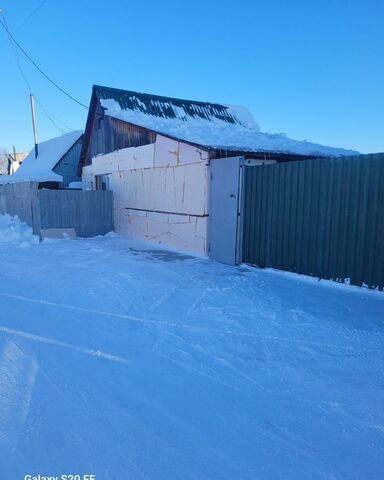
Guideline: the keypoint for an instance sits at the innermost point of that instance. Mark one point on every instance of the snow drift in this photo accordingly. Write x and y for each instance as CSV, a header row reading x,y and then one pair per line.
x,y
14,233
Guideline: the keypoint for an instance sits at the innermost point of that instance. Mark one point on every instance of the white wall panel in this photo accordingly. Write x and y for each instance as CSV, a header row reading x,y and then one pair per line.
x,y
160,192
191,154
166,152
138,226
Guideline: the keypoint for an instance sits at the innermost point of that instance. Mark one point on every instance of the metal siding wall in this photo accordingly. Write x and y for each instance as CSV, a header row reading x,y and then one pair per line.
x,y
319,217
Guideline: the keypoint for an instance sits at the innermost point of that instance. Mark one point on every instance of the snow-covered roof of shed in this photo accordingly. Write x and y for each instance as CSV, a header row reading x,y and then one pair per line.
x,y
40,169
207,124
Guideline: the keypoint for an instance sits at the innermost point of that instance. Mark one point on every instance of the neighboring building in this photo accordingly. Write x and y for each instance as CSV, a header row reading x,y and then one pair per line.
x,y
57,162
157,155
38,193
10,162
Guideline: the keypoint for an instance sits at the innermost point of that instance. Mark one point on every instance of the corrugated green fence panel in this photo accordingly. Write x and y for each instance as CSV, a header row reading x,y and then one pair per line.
x,y
321,217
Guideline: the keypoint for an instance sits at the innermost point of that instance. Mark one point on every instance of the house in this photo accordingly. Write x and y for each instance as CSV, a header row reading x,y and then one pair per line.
x,y
10,162
56,164
174,165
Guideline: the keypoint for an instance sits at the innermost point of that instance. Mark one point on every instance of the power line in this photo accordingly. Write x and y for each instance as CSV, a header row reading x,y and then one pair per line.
x,y
16,55
44,110
26,19
46,113
38,68
48,116
53,119
31,14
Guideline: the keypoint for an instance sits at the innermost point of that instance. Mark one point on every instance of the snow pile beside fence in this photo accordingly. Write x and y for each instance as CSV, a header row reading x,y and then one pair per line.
x,y
16,233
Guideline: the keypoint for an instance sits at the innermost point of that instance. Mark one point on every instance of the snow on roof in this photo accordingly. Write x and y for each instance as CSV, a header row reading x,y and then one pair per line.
x,y
176,108
216,126
40,169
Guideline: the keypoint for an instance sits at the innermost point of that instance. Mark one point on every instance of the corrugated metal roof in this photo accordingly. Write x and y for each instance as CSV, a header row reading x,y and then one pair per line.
x,y
210,125
164,107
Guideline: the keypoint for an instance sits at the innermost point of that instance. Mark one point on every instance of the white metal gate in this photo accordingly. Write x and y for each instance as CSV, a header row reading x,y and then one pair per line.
x,y
224,212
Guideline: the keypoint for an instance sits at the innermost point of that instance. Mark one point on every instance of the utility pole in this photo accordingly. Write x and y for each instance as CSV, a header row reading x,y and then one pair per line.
x,y
34,125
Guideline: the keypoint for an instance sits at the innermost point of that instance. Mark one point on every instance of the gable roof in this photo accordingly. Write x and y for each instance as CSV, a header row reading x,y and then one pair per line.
x,y
175,108
40,169
210,125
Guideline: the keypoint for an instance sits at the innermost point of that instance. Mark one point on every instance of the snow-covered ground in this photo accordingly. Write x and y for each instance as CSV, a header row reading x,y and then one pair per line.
x,y
128,362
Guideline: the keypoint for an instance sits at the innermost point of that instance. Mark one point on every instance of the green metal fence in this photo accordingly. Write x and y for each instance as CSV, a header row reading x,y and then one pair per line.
x,y
322,217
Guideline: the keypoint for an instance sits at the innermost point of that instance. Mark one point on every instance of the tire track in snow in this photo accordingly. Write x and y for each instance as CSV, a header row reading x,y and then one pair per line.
x,y
196,328
57,343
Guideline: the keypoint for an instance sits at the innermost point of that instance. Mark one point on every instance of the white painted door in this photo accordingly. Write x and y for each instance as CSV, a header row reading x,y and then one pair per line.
x,y
224,214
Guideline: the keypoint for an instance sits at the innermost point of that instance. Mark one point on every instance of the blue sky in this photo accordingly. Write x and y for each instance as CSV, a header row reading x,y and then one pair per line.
x,y
314,70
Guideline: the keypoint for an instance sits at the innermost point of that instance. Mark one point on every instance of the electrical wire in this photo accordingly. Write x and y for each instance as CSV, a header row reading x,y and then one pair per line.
x,y
46,113
35,10
54,119
37,67
31,14
16,55
49,115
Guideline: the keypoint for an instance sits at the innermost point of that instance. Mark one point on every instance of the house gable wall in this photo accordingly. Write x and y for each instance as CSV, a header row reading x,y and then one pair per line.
x,y
105,134
68,165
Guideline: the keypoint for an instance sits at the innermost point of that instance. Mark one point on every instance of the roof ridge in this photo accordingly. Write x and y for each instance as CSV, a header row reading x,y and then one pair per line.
x,y
161,97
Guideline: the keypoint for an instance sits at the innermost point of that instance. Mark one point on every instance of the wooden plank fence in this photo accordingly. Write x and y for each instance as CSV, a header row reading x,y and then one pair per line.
x,y
90,213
